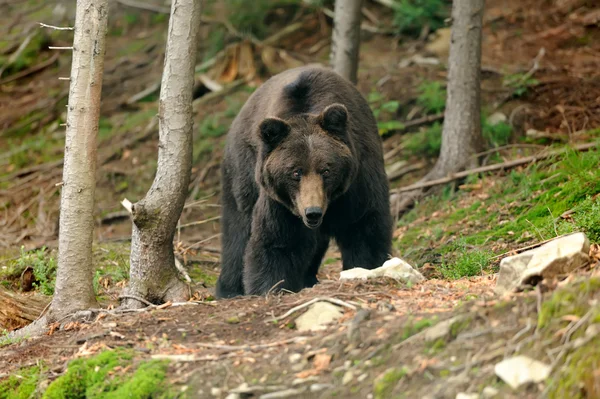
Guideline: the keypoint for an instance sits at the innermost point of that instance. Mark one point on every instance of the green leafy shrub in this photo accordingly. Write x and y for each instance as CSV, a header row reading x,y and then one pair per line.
x,y
432,96
410,16
497,135
427,142
43,265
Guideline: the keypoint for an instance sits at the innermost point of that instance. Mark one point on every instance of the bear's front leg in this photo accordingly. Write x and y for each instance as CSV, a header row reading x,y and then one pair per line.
x,y
279,250
366,243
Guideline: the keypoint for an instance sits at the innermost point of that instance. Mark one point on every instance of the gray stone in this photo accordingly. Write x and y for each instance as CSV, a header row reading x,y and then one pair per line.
x,y
441,329
519,370
348,377
489,392
557,257
320,387
318,316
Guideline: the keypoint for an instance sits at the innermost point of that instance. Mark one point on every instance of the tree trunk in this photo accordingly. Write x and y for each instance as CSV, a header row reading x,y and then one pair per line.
x,y
153,275
461,136
346,38
74,290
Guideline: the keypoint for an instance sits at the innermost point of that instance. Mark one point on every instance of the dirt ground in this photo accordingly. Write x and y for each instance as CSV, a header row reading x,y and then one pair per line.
x,y
217,346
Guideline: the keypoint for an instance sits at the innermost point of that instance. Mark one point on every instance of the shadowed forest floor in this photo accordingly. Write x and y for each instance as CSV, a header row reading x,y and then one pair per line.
x,y
456,237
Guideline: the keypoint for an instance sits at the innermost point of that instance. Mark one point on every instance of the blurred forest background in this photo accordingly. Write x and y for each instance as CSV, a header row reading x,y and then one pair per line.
x,y
540,92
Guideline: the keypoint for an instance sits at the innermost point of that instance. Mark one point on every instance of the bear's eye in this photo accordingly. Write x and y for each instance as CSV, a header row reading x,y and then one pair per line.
x,y
297,174
325,173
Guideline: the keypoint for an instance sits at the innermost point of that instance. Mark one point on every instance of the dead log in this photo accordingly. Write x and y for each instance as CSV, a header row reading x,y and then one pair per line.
x,y
19,309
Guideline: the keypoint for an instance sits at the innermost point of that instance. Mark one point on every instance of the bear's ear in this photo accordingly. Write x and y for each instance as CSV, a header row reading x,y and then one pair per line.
x,y
334,119
273,131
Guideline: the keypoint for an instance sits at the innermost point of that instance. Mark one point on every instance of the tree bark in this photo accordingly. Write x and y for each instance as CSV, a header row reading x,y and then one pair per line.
x,y
153,275
346,38
461,135
74,290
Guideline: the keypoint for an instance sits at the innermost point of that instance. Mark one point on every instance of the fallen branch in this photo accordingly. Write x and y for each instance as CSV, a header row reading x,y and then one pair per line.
x,y
519,250
232,348
500,166
307,304
415,123
406,170
30,70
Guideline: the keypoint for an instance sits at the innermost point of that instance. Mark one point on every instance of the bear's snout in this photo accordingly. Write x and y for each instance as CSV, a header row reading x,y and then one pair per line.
x,y
314,216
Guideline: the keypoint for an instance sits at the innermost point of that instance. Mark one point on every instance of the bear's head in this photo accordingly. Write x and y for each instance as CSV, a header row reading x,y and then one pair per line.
x,y
307,161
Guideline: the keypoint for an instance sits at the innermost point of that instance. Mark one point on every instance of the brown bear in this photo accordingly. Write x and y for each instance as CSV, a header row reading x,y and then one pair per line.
x,y
303,163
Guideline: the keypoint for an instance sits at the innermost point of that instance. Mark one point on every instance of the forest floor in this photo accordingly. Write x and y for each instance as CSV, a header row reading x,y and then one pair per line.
x,y
382,345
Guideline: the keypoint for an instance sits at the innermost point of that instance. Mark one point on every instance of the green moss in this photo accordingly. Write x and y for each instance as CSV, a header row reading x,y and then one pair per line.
x,y
571,300
521,207
203,274
21,385
426,143
411,328
577,372
102,376
384,385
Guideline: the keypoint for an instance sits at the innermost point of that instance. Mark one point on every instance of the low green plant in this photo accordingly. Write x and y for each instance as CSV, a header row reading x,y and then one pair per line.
x,y
21,384
426,143
101,376
432,96
496,135
520,83
251,20
43,265
462,261
410,16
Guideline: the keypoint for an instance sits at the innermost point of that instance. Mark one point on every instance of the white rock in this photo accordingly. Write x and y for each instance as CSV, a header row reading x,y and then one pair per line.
x,y
348,377
233,396
489,392
295,357
214,391
320,387
317,316
462,395
440,43
362,377
496,118
394,268
519,370
557,257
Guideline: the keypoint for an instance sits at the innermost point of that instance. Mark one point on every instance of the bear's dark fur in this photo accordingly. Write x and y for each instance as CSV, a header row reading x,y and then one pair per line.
x,y
303,163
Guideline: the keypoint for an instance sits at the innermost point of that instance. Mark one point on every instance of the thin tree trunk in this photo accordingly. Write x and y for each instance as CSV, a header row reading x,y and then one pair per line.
x,y
461,136
74,290
346,38
153,275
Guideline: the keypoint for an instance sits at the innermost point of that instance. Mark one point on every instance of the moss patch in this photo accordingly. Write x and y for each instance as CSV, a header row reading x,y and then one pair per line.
x,y
385,384
109,375
571,300
21,385
459,231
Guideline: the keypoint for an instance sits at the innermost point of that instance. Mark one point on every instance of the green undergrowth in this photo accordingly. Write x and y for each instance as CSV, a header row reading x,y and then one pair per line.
x,y
459,231
109,374
573,310
22,384
41,261
111,265
412,16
